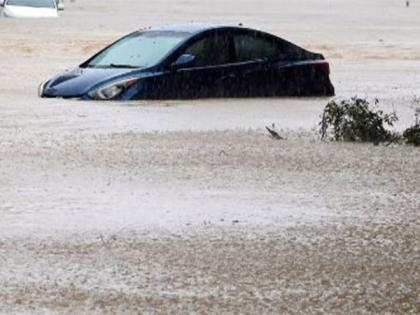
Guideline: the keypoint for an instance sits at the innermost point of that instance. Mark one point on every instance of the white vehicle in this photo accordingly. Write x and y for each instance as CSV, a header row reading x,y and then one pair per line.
x,y
29,8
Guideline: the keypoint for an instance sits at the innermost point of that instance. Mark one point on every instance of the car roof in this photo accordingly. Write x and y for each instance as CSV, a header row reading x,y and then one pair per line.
x,y
192,28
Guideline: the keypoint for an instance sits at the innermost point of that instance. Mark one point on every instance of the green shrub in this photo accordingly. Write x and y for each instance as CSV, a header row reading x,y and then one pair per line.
x,y
353,120
412,135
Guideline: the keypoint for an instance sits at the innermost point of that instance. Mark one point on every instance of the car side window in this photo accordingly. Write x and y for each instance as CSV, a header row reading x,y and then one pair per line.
x,y
212,50
254,47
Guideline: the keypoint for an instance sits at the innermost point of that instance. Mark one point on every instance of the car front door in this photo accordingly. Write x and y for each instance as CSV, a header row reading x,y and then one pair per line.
x,y
205,76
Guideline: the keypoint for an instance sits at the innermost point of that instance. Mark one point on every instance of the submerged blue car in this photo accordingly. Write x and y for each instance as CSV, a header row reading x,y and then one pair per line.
x,y
195,61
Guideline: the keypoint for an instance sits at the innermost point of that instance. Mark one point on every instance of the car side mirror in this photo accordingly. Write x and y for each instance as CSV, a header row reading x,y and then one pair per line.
x,y
182,61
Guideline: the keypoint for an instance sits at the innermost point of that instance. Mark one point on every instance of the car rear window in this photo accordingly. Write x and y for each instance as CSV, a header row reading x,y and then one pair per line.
x,y
252,47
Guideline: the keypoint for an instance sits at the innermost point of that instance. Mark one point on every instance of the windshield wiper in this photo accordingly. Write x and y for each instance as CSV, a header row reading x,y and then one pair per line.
x,y
113,65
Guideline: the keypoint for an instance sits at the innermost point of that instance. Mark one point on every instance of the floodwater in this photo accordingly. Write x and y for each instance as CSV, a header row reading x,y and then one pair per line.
x,y
189,206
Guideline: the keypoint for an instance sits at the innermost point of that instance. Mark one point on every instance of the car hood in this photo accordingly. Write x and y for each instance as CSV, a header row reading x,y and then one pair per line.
x,y
28,12
78,82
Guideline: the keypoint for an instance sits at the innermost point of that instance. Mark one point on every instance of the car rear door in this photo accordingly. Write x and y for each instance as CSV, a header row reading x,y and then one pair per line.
x,y
260,67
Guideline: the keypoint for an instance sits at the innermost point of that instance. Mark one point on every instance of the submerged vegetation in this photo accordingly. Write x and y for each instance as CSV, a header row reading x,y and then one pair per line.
x,y
356,120
412,135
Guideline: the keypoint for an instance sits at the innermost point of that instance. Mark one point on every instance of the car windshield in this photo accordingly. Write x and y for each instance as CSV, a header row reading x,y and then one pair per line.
x,y
138,50
33,3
